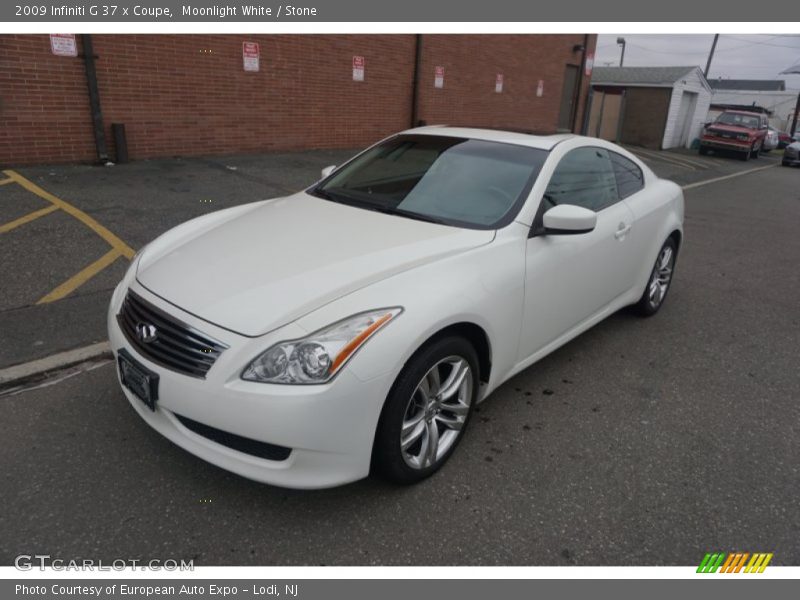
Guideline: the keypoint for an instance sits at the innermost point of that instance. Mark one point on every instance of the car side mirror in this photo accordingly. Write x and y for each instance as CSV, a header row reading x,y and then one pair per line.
x,y
568,219
328,170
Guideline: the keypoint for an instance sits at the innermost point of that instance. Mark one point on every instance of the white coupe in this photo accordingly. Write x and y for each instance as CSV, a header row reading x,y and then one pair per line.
x,y
351,328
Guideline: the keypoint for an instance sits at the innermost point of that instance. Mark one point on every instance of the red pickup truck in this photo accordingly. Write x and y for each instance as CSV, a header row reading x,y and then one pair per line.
x,y
736,130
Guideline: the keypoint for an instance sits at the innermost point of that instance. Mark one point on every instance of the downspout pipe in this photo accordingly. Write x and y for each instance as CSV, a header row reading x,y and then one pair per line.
x,y
94,99
578,87
415,81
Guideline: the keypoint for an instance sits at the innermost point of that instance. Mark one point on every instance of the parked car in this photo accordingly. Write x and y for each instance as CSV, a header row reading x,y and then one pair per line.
x,y
352,327
784,139
771,140
738,131
791,155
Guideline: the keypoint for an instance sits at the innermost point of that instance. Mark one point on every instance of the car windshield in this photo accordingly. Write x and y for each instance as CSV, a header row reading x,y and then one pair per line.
x,y
449,180
738,119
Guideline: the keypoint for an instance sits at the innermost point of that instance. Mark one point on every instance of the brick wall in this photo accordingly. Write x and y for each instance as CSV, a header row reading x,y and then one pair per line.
x,y
471,64
189,95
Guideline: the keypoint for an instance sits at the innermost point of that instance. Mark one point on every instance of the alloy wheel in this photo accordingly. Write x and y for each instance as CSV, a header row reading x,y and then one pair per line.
x,y
436,412
661,277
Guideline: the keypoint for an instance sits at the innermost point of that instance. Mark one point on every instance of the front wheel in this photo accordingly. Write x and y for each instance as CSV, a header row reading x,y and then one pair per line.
x,y
755,149
659,281
427,411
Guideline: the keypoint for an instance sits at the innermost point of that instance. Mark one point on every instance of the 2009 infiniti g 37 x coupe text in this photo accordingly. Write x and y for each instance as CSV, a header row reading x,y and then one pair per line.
x,y
305,341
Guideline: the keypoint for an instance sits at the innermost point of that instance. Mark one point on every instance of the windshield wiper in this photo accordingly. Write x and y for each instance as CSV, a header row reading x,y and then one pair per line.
x,y
345,199
415,215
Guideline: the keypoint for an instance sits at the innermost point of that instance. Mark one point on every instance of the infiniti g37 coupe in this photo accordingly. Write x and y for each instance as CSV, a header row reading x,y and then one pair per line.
x,y
351,328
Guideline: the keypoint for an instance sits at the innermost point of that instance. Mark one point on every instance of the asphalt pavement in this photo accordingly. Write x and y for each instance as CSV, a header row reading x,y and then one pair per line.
x,y
136,202
642,442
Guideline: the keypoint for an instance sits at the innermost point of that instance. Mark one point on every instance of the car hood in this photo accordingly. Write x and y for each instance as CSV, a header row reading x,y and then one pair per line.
x,y
270,265
732,128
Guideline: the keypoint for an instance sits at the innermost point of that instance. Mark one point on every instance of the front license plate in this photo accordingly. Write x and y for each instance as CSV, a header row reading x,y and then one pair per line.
x,y
139,380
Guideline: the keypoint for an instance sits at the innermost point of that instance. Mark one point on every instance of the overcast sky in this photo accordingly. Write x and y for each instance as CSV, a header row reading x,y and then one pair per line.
x,y
737,56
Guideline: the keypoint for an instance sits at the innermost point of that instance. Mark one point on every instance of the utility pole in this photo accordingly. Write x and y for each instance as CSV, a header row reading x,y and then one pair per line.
x,y
794,118
711,55
621,42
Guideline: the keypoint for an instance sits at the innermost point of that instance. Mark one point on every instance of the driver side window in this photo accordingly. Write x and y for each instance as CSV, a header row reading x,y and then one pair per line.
x,y
584,177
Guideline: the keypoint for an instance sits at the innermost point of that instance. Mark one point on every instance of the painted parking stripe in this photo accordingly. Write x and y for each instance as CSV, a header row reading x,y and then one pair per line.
x,y
670,159
655,156
5,181
121,247
691,161
28,218
724,177
77,280
703,163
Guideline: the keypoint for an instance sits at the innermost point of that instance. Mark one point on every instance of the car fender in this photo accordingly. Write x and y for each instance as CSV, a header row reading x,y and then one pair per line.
x,y
483,286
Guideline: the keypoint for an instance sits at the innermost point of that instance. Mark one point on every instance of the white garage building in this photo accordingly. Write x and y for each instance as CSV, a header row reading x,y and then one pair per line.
x,y
653,107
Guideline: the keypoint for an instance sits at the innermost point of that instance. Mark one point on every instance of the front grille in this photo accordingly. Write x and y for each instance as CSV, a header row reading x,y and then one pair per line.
x,y
176,346
236,442
722,134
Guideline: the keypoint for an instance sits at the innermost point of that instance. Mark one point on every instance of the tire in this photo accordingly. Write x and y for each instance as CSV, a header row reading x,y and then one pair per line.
x,y
754,150
784,163
411,407
703,150
745,156
659,281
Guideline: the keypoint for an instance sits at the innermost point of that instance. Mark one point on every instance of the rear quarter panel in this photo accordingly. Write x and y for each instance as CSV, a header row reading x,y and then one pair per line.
x,y
658,211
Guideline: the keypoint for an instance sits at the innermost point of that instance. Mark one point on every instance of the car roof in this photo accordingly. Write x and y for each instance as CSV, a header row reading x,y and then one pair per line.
x,y
542,142
743,112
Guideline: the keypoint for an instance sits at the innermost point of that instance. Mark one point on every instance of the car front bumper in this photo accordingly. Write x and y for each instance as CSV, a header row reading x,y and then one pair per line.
x,y
328,429
726,144
791,160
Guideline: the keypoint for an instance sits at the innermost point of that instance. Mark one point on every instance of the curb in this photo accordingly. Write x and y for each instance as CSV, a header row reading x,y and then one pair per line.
x,y
38,370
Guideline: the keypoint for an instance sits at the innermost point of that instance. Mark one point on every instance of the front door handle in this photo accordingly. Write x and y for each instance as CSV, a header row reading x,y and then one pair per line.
x,y
622,231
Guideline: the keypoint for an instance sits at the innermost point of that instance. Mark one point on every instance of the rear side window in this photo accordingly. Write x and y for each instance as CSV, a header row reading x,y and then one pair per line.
x,y
584,177
630,178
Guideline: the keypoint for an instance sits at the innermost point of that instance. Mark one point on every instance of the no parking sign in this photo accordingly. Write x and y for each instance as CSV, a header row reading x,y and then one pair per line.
x,y
251,55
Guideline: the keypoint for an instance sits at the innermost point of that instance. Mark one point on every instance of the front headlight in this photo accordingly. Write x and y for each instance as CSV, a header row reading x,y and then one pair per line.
x,y
318,357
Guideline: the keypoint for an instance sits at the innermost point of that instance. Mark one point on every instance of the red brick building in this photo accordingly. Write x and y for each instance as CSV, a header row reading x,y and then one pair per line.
x,y
190,95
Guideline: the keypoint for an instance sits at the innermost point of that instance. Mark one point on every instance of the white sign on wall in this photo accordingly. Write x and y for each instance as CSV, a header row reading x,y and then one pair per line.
x,y
251,56
589,64
63,44
438,77
358,68
540,88
498,83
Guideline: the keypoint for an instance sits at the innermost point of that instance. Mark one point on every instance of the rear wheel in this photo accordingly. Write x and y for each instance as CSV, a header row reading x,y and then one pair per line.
x,y
659,281
703,150
427,411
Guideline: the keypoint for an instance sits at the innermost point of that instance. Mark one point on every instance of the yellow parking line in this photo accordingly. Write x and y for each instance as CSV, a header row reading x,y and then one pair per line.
x,y
5,181
79,279
28,218
668,159
121,247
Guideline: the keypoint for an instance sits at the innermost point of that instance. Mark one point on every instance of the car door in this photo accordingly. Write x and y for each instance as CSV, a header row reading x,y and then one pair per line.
x,y
571,277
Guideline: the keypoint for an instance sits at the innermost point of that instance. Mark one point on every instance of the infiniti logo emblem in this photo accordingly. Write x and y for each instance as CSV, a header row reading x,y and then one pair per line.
x,y
146,332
